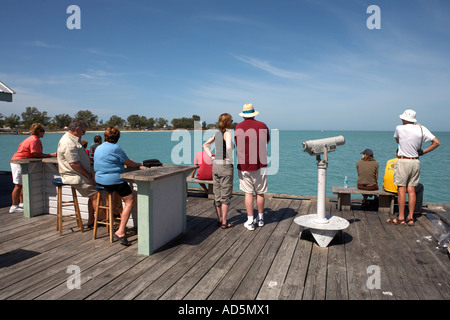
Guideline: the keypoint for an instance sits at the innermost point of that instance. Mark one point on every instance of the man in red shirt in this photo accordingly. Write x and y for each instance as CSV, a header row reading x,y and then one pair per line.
x,y
251,138
31,147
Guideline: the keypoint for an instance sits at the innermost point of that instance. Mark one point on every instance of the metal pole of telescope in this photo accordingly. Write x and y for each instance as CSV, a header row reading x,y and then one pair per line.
x,y
322,186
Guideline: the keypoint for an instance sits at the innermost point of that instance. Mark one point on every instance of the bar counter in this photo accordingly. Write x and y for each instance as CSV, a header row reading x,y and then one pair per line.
x,y
161,204
160,213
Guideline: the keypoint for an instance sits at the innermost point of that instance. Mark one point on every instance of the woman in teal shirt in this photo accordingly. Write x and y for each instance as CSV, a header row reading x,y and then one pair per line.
x,y
109,161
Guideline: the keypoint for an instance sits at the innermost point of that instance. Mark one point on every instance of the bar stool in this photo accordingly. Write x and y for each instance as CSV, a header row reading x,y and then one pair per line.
x,y
61,204
109,207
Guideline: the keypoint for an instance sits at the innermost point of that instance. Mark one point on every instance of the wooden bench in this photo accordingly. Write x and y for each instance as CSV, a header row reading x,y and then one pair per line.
x,y
385,199
210,184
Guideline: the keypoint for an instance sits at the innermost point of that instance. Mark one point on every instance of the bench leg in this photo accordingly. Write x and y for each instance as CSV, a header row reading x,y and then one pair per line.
x,y
343,201
210,191
386,204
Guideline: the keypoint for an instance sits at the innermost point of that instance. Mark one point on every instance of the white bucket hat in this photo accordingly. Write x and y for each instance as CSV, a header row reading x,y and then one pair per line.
x,y
409,115
248,111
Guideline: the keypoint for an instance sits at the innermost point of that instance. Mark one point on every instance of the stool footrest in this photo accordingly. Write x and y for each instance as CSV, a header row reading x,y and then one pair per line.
x,y
71,216
67,204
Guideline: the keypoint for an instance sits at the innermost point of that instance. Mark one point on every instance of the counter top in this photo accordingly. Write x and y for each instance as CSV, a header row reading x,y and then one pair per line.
x,y
27,160
141,174
50,160
156,173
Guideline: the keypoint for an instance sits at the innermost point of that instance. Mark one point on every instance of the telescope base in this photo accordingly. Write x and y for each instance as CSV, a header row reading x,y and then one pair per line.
x,y
322,232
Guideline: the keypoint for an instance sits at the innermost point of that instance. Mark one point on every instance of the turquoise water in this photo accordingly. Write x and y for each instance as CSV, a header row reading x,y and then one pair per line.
x,y
297,170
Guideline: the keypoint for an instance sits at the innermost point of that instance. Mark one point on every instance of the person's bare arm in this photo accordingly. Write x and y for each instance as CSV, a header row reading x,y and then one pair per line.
x,y
131,163
229,144
207,144
434,144
43,155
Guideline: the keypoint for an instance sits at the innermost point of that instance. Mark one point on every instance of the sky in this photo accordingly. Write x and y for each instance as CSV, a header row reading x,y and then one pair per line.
x,y
303,64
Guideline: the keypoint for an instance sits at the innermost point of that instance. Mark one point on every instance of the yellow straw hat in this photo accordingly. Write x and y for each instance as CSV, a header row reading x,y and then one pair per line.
x,y
248,111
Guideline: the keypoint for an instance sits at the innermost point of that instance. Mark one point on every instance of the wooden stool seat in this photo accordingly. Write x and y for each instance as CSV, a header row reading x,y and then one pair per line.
x,y
109,207
61,204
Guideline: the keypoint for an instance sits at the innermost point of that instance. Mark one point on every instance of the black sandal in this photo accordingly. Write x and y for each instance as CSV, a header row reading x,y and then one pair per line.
x,y
123,240
227,225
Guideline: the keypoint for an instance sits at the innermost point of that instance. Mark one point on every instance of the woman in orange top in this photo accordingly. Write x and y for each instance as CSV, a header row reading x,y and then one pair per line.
x,y
31,147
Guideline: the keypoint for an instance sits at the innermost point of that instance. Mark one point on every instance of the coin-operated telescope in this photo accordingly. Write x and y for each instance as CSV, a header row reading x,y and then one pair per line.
x,y
323,146
323,227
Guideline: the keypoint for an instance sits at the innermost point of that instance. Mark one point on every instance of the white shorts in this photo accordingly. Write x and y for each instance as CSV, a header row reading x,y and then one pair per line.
x,y
16,171
253,181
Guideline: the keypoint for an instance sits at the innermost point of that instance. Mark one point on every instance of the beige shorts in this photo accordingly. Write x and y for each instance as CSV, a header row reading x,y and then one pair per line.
x,y
407,172
253,181
85,188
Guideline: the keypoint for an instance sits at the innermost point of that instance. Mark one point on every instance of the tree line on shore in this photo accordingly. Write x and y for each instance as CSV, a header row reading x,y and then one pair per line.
x,y
61,121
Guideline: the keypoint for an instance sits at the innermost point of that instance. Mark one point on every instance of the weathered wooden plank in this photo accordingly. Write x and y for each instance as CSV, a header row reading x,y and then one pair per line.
x,y
28,277
412,273
387,250
357,269
337,266
236,242
104,272
196,207
20,228
437,259
184,249
235,249
251,284
274,281
34,235
232,280
92,267
294,283
315,284
427,261
373,271
191,277
188,266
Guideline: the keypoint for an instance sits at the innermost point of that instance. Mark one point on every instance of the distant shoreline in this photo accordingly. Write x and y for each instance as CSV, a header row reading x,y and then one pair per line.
x,y
172,130
89,131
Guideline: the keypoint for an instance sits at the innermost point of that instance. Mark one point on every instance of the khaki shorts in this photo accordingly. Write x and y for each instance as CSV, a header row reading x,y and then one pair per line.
x,y
85,188
253,181
407,172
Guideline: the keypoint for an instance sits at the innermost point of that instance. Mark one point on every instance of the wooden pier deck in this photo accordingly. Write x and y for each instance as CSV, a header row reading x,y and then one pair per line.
x,y
207,263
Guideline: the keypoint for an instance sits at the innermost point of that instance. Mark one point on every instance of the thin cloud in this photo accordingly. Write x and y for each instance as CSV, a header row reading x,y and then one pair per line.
x,y
234,19
39,44
103,54
97,74
266,66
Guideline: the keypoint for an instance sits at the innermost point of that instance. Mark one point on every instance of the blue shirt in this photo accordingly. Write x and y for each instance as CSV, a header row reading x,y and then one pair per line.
x,y
108,163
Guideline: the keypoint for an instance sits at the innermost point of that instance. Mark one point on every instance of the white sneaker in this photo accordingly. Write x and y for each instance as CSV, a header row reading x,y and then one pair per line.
x,y
15,209
260,222
249,226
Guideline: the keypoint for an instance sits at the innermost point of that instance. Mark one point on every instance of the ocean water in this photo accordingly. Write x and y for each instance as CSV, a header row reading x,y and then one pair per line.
x,y
293,170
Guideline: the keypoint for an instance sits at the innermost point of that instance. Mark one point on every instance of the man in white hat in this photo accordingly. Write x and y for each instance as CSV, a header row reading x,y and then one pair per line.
x,y
251,138
410,137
